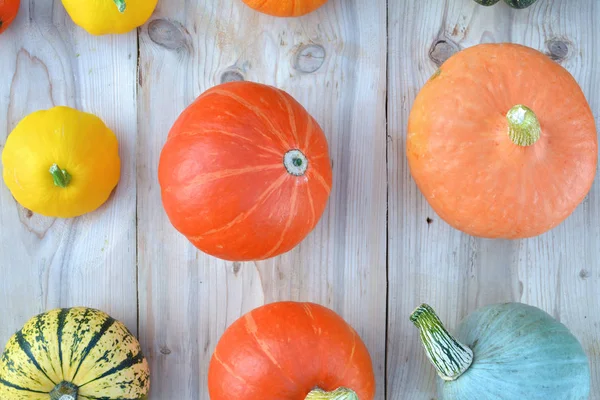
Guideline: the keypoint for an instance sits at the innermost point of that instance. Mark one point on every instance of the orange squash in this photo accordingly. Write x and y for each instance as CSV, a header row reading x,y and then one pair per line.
x,y
245,173
502,142
285,8
8,12
292,351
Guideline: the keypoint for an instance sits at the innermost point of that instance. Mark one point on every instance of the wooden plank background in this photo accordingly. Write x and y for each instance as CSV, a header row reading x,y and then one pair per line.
x,y
356,66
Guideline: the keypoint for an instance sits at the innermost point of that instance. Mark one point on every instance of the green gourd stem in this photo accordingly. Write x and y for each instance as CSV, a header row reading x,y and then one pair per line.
x,y
523,126
61,177
121,5
64,391
450,357
338,394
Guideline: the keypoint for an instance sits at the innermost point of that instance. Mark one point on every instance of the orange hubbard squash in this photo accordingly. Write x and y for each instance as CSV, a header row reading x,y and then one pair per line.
x,y
502,142
245,172
285,8
289,350
8,11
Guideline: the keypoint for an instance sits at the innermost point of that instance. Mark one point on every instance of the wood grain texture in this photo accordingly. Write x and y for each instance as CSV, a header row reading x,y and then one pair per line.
x,y
429,261
90,261
333,62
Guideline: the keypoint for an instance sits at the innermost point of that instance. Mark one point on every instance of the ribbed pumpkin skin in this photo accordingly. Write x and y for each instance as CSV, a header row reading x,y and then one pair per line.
x,y
284,350
520,352
78,345
224,184
285,8
464,162
8,12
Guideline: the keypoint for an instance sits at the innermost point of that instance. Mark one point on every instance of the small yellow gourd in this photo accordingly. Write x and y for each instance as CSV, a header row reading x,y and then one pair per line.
x,y
102,17
61,162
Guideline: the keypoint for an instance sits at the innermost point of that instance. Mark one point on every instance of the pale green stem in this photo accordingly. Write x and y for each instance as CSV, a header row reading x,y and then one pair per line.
x,y
121,5
61,177
523,126
64,391
450,358
338,394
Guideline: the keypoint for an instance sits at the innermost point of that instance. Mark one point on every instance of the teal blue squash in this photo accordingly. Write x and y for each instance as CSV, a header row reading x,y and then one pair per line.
x,y
505,352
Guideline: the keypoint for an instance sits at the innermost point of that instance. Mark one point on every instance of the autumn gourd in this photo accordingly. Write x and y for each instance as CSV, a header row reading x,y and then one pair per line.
x,y
61,162
285,8
512,3
502,142
73,354
519,3
505,351
292,351
487,2
101,17
245,172
8,12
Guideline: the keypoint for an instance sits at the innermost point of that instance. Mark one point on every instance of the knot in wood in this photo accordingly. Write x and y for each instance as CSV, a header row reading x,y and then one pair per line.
x,y
442,50
558,50
309,58
236,267
166,34
165,350
231,76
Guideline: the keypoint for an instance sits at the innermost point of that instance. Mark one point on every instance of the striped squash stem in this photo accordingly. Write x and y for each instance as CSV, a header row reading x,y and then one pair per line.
x,y
450,357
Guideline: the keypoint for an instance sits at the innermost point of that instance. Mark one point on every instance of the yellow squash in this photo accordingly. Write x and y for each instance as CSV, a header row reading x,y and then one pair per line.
x,y
61,162
73,354
101,17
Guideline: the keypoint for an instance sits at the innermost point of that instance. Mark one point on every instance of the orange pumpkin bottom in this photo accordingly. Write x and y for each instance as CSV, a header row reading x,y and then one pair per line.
x,y
489,166
282,351
285,8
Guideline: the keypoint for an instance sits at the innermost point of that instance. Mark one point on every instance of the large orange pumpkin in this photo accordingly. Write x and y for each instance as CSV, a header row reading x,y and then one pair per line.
x,y
245,173
502,142
291,351
8,12
285,8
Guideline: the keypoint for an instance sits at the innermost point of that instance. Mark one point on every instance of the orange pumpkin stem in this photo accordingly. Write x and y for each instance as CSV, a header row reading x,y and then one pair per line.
x,y
338,394
121,5
523,126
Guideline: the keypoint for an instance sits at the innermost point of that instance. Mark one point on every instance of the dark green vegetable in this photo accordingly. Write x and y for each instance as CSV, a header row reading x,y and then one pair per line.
x,y
519,3
512,3
487,2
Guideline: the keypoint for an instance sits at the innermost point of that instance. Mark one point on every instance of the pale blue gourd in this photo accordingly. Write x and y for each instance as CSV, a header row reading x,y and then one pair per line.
x,y
506,351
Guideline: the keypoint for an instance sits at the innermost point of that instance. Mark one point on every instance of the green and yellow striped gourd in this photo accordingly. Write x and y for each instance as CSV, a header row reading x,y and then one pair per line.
x,y
73,354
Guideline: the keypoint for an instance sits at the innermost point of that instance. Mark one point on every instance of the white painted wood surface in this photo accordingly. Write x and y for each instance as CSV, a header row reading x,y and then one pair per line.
x,y
187,299
183,300
44,262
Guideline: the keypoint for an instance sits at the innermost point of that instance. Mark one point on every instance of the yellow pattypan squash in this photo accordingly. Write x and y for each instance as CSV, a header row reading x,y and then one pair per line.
x,y
61,162
101,17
